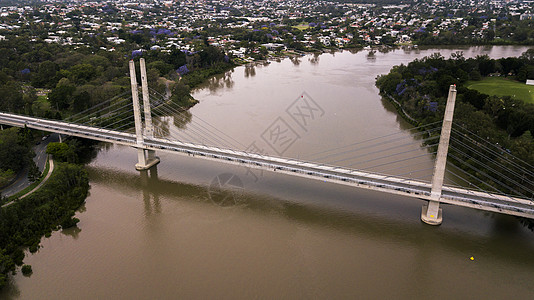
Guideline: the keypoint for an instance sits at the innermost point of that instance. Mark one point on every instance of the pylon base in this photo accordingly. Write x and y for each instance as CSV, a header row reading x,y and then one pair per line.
x,y
431,220
149,164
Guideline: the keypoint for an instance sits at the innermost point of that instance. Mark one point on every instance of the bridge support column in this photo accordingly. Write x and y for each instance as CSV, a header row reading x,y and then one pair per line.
x,y
151,157
431,213
144,160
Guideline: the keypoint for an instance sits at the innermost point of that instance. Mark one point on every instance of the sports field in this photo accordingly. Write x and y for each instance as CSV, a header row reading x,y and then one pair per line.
x,y
499,86
302,26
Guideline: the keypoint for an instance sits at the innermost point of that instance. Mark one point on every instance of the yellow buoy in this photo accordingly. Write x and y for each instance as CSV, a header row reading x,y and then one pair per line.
x,y
472,258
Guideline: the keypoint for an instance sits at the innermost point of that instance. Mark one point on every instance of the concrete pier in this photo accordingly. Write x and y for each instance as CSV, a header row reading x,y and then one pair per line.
x,y
145,158
431,213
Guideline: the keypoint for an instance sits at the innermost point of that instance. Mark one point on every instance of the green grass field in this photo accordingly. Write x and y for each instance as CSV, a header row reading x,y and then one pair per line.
x,y
301,26
499,86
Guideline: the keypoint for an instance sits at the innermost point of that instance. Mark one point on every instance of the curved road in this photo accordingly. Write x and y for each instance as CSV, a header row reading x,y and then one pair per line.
x,y
40,160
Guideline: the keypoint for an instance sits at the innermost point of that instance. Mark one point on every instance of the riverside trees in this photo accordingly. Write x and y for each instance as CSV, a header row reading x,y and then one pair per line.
x,y
51,207
15,152
421,89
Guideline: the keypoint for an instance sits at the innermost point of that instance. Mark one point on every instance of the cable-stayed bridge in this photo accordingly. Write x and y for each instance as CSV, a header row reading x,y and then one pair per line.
x,y
513,176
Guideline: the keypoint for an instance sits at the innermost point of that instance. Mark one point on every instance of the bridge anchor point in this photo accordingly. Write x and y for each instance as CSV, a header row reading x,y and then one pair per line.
x,y
431,219
149,164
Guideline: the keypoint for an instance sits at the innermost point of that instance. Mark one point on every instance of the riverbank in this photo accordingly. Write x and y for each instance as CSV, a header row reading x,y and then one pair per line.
x,y
50,207
47,172
506,123
288,236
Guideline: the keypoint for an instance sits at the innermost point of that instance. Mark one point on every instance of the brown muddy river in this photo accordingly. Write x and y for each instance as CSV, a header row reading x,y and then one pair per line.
x,y
169,234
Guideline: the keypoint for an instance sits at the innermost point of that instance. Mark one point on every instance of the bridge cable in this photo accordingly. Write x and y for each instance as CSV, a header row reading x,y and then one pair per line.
x,y
451,164
98,122
214,138
193,138
378,144
208,124
384,150
501,155
199,132
401,160
377,138
489,159
402,167
97,105
486,175
107,108
482,140
206,132
495,172
472,192
395,154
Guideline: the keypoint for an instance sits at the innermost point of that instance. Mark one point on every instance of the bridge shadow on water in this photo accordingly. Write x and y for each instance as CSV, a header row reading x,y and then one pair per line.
x,y
505,240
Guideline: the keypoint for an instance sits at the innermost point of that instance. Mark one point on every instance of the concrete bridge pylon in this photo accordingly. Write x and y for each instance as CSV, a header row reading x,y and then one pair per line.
x,y
431,212
145,158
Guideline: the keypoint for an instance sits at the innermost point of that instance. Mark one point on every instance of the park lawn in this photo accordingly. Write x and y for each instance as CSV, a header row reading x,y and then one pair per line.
x,y
302,26
499,86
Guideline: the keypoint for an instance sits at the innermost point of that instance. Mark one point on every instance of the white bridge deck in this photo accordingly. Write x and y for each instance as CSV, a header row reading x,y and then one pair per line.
x,y
388,184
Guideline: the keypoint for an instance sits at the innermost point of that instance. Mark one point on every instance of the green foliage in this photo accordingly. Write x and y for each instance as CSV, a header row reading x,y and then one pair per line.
x,y
475,75
62,152
421,89
23,223
15,150
26,270
181,95
6,176
46,76
33,173
198,76
61,97
162,67
11,97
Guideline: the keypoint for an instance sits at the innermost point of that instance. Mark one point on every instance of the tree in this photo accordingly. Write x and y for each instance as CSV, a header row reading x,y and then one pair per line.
x,y
528,55
33,173
14,152
176,58
161,66
475,75
6,265
60,97
46,75
11,97
61,152
26,270
82,73
81,101
181,94
388,83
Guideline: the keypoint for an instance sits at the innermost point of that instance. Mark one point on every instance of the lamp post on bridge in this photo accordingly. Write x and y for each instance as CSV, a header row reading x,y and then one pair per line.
x,y
145,158
431,213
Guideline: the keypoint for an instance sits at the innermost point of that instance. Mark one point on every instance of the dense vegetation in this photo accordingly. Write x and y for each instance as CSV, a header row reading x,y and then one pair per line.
x,y
23,223
504,31
421,89
15,153
53,81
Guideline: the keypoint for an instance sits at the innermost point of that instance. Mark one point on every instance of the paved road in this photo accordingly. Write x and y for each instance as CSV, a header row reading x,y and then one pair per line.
x,y
40,160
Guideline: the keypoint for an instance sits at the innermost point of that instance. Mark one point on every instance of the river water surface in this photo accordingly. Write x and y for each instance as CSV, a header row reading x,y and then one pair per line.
x,y
170,233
